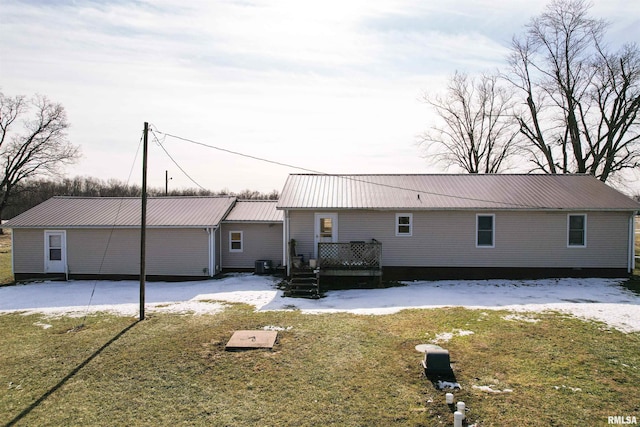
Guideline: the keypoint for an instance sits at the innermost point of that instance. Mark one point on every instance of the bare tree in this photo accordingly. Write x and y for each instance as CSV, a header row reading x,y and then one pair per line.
x,y
580,113
614,143
33,141
478,129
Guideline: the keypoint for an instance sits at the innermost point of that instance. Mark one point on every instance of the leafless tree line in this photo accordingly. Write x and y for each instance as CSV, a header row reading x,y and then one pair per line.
x,y
34,148
565,102
33,192
33,142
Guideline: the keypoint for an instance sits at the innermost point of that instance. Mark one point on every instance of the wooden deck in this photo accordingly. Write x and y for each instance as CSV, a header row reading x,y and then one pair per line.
x,y
352,259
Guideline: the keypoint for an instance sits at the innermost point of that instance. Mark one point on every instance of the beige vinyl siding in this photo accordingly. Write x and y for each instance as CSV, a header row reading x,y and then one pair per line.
x,y
174,252
178,252
301,229
448,238
28,251
259,241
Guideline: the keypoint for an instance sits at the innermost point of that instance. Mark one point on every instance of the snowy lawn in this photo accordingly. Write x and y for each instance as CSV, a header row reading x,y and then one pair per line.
x,y
604,300
347,359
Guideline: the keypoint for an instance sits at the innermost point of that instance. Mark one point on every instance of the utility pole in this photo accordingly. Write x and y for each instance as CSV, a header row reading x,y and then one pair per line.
x,y
143,221
166,182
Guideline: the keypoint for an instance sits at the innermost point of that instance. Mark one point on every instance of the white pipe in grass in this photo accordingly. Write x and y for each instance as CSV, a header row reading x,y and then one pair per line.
x,y
460,407
457,419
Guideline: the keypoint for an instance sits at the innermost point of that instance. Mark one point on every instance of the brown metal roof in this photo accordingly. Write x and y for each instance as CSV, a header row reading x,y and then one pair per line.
x,y
255,211
448,191
124,212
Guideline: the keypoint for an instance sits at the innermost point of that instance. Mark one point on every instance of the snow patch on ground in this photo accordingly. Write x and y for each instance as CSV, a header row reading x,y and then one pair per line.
x,y
603,300
447,336
564,387
42,325
188,307
489,389
520,318
447,385
277,328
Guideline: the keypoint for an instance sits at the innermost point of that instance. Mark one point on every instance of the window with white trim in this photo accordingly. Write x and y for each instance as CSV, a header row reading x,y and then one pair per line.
x,y
577,231
55,247
485,231
404,224
326,227
235,241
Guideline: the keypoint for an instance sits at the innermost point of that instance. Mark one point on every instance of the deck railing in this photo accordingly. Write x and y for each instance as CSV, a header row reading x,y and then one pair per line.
x,y
349,256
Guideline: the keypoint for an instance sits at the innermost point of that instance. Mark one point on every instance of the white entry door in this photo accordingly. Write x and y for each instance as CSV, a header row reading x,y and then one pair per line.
x,y
326,230
55,252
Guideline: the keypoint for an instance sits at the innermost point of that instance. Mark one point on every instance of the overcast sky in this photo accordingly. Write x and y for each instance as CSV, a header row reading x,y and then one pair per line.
x,y
330,86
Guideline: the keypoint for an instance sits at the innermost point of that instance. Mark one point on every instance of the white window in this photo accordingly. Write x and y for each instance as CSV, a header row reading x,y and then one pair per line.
x,y
55,247
485,231
326,227
577,231
235,241
404,224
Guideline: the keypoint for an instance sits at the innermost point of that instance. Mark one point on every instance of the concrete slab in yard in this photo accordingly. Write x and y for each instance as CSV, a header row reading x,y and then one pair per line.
x,y
246,340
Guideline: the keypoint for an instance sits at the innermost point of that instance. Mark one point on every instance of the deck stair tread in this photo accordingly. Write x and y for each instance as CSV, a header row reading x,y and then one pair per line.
x,y
303,283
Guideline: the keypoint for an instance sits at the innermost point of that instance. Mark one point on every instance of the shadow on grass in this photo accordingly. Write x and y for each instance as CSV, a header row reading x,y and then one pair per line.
x,y
444,381
633,284
70,375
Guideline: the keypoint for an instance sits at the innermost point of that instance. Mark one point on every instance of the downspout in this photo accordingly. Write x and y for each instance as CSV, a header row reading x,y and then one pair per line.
x,y
285,245
632,247
211,244
66,256
220,246
284,242
13,262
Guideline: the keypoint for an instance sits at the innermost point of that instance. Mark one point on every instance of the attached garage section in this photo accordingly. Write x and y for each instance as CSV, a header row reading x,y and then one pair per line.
x,y
28,252
100,238
171,253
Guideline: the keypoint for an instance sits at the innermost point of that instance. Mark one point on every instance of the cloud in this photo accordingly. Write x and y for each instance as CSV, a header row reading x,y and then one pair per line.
x,y
331,85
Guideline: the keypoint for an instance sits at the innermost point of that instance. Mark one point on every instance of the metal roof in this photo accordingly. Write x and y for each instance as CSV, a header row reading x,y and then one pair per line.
x,y
255,211
124,212
448,191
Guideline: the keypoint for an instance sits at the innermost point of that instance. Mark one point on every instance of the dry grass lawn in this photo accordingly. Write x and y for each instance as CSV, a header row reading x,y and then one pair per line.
x,y
6,272
331,369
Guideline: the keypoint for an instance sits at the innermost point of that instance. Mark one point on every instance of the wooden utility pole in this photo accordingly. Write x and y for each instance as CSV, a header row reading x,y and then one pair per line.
x,y
167,178
143,221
